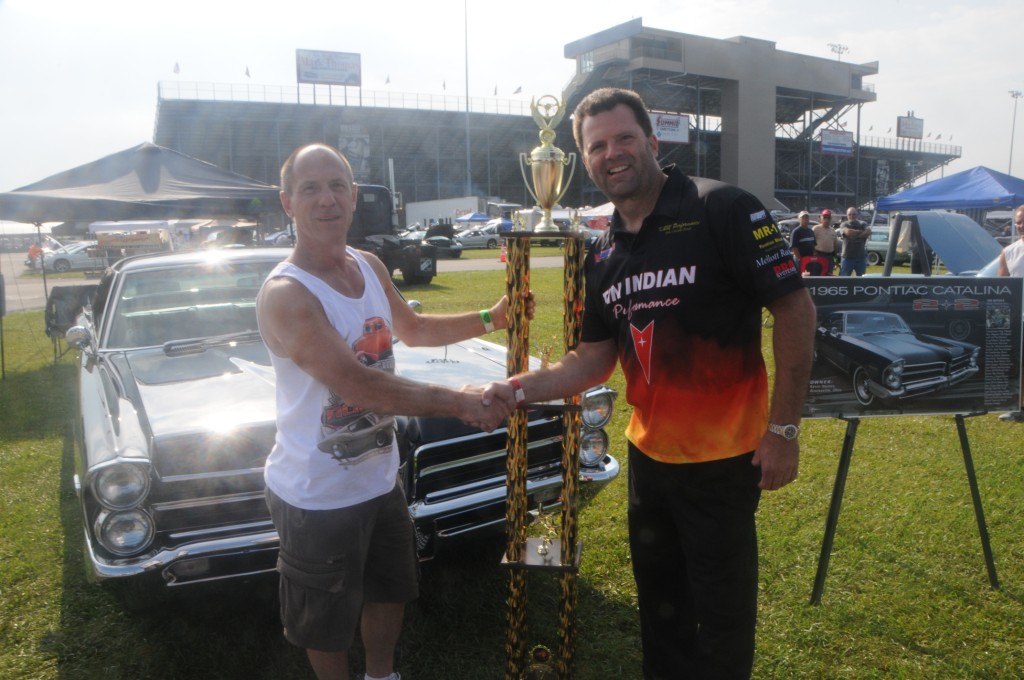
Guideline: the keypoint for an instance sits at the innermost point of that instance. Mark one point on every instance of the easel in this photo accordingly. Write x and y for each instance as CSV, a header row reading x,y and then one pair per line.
x,y
522,554
837,500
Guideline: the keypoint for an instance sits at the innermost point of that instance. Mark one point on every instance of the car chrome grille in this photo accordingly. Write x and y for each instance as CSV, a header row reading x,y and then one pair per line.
x,y
210,485
476,462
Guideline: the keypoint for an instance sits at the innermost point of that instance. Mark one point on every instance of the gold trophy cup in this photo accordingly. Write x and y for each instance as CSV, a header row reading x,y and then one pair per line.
x,y
547,162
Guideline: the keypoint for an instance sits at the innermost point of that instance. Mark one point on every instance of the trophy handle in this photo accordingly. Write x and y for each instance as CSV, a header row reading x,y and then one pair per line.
x,y
523,162
570,160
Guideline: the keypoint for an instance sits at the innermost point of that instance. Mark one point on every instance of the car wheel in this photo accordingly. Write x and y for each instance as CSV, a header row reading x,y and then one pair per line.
x,y
860,387
61,266
874,258
415,278
492,243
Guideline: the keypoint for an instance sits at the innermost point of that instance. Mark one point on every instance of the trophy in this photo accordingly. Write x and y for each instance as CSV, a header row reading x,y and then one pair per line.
x,y
547,162
556,555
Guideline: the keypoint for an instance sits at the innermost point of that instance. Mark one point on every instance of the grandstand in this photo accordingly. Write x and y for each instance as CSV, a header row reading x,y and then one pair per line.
x,y
418,143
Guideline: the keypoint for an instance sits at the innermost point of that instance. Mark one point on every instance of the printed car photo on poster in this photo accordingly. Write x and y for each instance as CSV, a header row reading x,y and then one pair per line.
x,y
915,345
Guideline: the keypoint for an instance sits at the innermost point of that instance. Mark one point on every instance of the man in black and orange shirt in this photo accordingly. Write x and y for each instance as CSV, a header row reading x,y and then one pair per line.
x,y
674,293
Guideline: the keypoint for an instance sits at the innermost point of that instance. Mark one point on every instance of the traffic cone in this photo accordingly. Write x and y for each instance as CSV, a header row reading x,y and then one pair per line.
x,y
501,258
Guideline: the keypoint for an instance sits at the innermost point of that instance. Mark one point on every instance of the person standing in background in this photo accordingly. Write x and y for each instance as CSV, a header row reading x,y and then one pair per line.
x,y
1011,263
825,240
855,238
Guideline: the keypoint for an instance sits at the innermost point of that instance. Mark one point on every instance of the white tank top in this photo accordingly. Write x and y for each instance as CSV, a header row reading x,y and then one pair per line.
x,y
327,454
1014,255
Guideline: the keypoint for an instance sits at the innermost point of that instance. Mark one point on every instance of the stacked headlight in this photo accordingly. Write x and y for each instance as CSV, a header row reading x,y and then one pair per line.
x,y
893,375
122,526
597,407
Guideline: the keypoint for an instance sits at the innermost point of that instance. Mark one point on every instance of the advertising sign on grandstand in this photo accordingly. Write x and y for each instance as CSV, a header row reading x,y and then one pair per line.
x,y
836,143
328,68
669,127
910,127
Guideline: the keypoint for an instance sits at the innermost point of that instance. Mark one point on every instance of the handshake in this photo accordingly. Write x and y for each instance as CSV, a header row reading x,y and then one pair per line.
x,y
488,406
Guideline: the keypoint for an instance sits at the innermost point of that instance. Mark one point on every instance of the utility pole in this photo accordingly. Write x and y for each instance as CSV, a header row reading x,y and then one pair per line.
x,y
1016,94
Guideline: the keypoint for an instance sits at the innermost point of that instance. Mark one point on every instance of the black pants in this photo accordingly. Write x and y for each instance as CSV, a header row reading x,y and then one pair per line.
x,y
693,542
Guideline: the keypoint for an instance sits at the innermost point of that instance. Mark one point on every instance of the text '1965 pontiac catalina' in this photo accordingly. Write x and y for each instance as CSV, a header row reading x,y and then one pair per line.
x,y
176,404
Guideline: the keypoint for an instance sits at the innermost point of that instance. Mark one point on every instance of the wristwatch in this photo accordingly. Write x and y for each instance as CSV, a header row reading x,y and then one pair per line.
x,y
789,432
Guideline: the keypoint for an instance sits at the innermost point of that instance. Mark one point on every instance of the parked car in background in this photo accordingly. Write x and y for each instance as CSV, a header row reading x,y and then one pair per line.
x,y
282,237
74,257
480,237
878,247
170,486
447,247
888,361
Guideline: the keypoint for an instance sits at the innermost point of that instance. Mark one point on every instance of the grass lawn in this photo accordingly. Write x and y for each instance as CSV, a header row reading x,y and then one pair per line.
x,y
907,594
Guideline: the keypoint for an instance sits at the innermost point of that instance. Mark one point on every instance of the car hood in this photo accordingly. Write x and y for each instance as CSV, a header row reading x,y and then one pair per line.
x,y
915,348
220,389
225,388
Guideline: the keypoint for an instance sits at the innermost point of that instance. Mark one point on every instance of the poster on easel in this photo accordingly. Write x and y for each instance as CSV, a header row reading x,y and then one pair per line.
x,y
915,345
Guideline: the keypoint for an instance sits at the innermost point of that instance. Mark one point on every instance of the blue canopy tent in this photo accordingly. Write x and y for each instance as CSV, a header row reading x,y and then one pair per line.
x,y
972,192
472,217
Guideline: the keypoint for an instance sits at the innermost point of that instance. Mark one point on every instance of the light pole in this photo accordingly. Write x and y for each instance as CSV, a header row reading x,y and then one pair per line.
x,y
1016,94
839,50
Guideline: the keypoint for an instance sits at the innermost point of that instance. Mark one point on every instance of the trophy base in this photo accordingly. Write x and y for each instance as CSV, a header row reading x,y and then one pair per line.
x,y
547,235
539,555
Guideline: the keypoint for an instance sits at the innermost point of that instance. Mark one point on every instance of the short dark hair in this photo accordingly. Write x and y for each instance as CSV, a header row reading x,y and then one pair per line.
x,y
288,166
606,99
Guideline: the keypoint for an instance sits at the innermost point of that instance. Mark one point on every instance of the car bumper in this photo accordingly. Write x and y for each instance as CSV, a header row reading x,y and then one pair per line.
x,y
458,514
911,389
233,557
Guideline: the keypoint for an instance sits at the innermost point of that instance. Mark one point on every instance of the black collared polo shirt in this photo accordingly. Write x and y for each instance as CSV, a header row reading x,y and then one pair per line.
x,y
682,299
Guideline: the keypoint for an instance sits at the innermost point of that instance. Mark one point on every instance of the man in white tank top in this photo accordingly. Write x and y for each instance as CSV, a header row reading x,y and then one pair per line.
x,y
327,314
1011,263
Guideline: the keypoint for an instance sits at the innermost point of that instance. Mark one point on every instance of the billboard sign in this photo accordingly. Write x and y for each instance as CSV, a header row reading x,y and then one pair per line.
x,y
910,127
669,127
915,345
836,143
328,68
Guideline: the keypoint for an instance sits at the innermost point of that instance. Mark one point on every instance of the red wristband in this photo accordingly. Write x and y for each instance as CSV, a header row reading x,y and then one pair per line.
x,y
517,388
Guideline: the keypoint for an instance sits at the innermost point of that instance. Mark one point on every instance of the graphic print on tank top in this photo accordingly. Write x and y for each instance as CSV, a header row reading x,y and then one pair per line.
x,y
349,433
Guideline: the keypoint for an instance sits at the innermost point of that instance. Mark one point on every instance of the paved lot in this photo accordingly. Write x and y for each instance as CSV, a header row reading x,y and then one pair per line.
x,y
24,293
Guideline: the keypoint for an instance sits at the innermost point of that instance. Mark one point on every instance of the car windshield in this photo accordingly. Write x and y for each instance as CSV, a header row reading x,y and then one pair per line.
x,y
875,323
200,301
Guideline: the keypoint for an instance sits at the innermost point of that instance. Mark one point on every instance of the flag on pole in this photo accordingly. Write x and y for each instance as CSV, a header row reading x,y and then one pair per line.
x,y
871,128
444,85
938,138
247,72
518,90
387,81
176,69
495,90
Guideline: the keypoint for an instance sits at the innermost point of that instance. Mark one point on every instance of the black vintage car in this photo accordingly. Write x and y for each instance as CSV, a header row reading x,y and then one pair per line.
x,y
888,361
176,419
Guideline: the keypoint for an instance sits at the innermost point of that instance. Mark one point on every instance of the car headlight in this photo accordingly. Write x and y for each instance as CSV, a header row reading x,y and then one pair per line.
x,y
124,532
597,407
121,485
593,447
975,353
893,375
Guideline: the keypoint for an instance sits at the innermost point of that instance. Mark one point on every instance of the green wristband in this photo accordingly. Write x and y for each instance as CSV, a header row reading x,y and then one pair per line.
x,y
485,316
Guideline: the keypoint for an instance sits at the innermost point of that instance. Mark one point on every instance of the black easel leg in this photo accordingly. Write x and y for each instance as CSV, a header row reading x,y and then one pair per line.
x,y
833,511
986,547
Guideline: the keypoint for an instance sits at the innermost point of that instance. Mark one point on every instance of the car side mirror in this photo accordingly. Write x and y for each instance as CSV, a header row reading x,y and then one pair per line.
x,y
416,306
79,337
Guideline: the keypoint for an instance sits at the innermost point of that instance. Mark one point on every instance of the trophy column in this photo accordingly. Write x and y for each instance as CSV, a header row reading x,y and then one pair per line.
x,y
522,553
